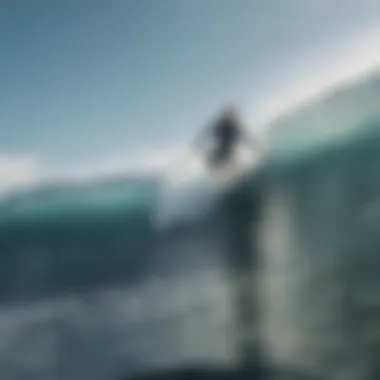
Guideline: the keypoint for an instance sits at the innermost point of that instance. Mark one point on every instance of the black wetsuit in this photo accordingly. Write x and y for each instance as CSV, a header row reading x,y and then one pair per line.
x,y
226,134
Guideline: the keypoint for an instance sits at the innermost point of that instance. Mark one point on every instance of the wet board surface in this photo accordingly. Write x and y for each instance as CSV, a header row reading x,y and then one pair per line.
x,y
230,175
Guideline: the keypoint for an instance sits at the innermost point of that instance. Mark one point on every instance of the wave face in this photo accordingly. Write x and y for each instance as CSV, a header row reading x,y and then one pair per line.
x,y
57,238
92,289
329,120
322,211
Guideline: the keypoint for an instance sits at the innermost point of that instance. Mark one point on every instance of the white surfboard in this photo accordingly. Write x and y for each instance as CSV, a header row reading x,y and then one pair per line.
x,y
231,173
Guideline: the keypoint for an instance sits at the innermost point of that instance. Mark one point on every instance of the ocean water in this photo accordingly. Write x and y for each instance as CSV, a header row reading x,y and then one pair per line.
x,y
94,286
320,242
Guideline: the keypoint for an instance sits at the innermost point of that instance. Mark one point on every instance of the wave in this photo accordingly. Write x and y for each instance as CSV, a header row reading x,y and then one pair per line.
x,y
321,246
72,201
333,118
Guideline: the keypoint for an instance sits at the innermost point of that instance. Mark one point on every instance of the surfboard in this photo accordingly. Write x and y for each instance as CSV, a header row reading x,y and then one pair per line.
x,y
233,172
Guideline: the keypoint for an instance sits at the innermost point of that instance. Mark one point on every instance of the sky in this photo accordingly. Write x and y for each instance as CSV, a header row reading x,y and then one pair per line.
x,y
90,85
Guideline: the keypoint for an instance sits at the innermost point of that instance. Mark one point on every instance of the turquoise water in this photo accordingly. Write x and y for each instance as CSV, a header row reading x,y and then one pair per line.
x,y
75,237
127,197
349,112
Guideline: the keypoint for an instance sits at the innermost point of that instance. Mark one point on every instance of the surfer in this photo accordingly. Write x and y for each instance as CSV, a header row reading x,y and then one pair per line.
x,y
226,133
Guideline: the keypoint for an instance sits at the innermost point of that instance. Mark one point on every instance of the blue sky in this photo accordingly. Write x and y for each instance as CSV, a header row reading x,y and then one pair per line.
x,y
86,81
